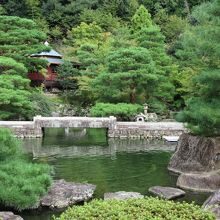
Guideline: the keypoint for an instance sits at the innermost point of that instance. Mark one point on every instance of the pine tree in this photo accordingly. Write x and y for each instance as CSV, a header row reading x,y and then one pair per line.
x,y
202,48
149,36
14,97
19,38
141,19
130,74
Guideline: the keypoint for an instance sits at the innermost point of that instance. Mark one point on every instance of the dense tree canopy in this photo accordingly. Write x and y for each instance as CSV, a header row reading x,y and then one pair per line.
x,y
201,46
130,72
125,51
19,38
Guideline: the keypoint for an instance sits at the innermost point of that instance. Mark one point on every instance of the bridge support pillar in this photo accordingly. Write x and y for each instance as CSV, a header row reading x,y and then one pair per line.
x,y
67,131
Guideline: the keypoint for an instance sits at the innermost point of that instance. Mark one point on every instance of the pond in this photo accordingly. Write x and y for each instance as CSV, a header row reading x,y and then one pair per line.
x,y
112,165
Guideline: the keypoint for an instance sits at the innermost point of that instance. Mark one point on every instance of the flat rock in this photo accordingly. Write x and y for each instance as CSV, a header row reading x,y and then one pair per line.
x,y
196,154
63,194
200,182
9,216
213,204
166,192
122,195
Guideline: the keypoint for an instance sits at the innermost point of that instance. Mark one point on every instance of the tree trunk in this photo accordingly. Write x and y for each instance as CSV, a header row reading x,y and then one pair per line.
x,y
133,95
187,9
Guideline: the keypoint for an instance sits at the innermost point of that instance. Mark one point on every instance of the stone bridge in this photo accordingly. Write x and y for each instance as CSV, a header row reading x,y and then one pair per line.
x,y
131,130
74,122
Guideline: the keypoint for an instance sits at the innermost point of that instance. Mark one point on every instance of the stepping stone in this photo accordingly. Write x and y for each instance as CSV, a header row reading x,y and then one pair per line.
x,y
122,195
166,192
63,194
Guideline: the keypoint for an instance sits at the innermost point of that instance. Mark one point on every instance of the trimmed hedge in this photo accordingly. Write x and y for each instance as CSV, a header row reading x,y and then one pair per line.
x,y
139,209
122,111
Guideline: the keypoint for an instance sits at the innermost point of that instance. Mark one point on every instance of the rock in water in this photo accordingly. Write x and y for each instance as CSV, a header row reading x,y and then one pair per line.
x,y
122,195
166,192
63,194
195,154
213,204
9,216
200,182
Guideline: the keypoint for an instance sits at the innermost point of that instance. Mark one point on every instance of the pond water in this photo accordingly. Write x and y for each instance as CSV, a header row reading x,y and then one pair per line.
x,y
112,165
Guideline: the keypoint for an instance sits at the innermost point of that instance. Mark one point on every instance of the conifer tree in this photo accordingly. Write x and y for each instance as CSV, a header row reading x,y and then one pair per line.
x,y
130,74
202,48
141,19
149,36
19,38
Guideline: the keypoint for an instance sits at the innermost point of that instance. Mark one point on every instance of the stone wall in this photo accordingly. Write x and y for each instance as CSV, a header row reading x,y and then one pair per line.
x,y
123,130
23,129
146,130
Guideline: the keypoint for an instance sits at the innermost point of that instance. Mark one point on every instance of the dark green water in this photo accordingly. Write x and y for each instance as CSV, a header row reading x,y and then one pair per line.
x,y
112,165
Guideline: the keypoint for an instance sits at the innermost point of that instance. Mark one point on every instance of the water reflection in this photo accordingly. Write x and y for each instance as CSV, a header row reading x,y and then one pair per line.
x,y
73,145
112,165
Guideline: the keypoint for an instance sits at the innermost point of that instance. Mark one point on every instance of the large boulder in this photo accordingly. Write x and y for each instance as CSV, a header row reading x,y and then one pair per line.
x,y
63,194
9,216
166,192
200,182
195,154
213,204
122,195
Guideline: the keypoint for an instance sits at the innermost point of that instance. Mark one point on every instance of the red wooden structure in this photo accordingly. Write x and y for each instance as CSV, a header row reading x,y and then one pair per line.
x,y
49,79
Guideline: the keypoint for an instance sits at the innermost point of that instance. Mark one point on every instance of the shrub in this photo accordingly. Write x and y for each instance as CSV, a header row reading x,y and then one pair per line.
x,y
122,111
9,145
148,208
21,182
41,104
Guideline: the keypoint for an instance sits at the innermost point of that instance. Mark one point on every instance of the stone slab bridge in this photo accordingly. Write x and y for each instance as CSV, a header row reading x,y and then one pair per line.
x,y
115,129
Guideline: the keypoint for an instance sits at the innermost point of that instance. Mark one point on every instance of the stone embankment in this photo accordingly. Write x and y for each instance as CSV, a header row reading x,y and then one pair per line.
x,y
197,160
146,130
123,130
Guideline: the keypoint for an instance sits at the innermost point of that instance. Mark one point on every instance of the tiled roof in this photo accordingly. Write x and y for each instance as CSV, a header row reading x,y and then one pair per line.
x,y
51,53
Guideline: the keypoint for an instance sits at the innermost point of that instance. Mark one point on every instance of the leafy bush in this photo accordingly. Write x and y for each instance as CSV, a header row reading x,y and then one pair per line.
x,y
148,208
121,111
9,146
21,182
41,104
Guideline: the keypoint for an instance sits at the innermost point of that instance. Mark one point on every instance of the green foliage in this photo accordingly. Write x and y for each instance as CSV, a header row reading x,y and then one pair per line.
x,y
14,97
148,208
41,104
85,33
67,75
171,26
171,6
200,46
21,183
141,19
102,18
130,73
121,111
10,147
202,113
19,38
10,66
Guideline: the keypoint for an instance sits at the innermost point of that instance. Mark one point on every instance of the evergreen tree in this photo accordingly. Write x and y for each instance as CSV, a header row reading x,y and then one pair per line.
x,y
11,67
141,19
19,38
14,97
130,74
149,36
202,49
